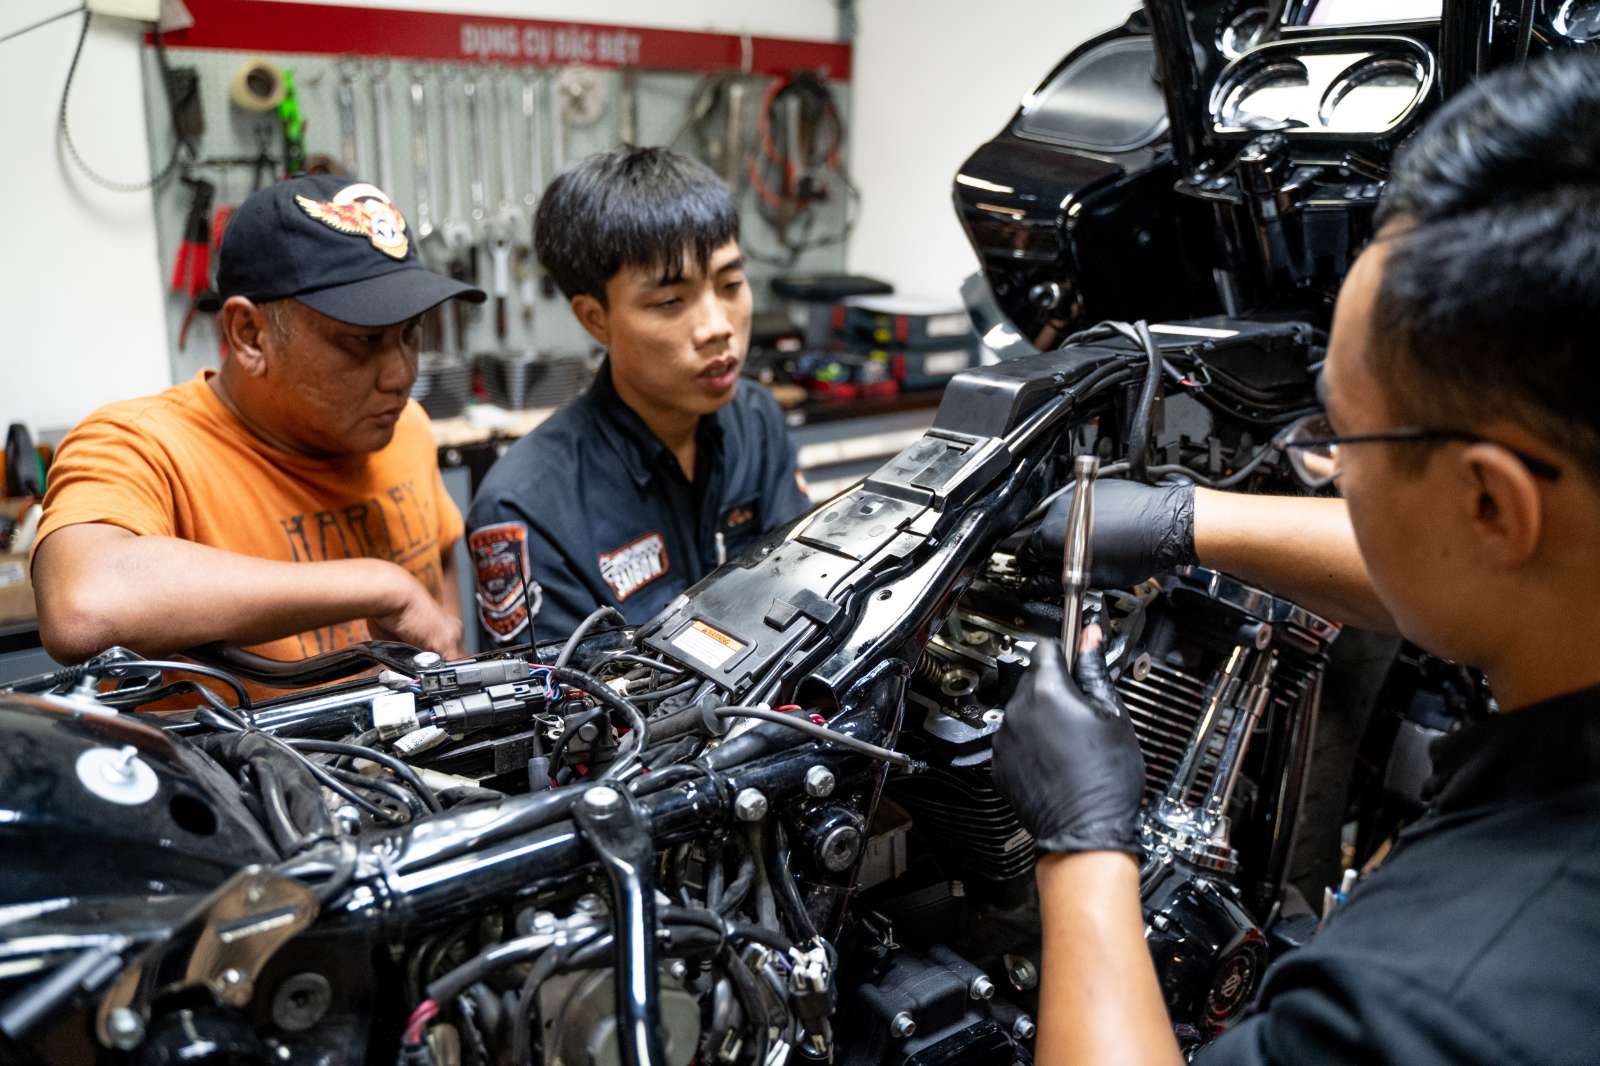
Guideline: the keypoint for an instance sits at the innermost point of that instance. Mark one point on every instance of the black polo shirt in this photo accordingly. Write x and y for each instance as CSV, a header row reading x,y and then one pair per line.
x,y
601,513
1478,940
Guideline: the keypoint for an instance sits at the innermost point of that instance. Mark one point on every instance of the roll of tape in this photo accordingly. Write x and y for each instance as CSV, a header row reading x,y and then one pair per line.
x,y
257,86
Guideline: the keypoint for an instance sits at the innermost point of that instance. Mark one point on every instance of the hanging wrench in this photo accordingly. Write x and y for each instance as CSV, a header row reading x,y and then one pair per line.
x,y
477,158
558,127
378,79
422,161
533,120
509,222
532,87
349,148
457,233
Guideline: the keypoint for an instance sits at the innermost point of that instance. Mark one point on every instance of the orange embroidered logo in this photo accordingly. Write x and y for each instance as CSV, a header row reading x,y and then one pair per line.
x,y
362,210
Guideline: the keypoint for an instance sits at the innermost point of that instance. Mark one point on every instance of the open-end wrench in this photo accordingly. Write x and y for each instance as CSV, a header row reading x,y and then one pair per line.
x,y
422,164
628,108
349,147
533,119
509,222
457,233
558,127
477,156
378,79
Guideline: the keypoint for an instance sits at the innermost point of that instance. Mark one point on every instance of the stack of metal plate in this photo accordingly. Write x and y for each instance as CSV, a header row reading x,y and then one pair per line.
x,y
519,381
444,384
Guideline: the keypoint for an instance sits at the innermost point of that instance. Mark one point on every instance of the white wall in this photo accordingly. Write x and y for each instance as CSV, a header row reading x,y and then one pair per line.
x,y
934,79
82,292
80,285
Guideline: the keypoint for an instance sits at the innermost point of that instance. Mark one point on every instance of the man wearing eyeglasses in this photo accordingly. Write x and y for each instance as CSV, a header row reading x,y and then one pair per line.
x,y
1462,429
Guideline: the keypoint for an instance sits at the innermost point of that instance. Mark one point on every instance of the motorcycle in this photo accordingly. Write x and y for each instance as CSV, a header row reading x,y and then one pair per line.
x,y
762,827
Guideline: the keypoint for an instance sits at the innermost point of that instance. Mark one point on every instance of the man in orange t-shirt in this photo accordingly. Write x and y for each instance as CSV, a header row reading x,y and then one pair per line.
x,y
289,502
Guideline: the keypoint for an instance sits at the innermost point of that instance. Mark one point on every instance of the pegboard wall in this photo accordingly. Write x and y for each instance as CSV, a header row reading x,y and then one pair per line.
x,y
414,80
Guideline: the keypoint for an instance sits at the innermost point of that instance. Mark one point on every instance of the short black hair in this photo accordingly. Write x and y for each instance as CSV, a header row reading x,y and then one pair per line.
x,y
630,207
1491,284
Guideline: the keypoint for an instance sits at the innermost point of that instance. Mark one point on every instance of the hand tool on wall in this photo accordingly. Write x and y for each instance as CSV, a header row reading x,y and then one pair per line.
x,y
509,223
477,156
454,228
378,82
293,124
733,134
533,122
422,168
349,144
191,272
628,108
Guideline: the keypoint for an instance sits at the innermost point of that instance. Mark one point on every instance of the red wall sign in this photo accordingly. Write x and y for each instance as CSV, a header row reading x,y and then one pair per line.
x,y
321,29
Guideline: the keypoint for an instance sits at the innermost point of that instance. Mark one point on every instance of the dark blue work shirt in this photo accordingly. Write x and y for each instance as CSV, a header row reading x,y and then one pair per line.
x,y
1474,944
601,513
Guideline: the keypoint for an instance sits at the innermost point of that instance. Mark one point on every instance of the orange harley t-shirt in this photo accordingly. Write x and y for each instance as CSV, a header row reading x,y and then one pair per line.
x,y
179,464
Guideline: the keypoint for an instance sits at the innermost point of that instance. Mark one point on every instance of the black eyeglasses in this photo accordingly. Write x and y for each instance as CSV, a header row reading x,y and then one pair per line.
x,y
1313,448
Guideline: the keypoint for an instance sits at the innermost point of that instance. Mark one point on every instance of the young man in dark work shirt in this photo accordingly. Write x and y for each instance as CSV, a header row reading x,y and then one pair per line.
x,y
1461,375
671,463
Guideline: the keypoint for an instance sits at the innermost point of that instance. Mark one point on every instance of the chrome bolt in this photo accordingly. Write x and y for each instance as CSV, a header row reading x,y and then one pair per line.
x,y
981,988
1023,1028
543,921
589,903
819,782
902,1025
750,805
426,660
126,1028
679,970
602,798
993,716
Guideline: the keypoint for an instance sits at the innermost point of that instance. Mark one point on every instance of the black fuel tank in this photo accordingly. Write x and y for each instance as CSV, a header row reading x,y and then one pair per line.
x,y
95,804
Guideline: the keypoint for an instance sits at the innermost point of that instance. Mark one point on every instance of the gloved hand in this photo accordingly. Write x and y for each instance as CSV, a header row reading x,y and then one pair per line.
x,y
1067,758
1139,530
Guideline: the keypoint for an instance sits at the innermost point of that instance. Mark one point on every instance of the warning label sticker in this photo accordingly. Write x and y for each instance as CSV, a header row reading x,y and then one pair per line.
x,y
710,646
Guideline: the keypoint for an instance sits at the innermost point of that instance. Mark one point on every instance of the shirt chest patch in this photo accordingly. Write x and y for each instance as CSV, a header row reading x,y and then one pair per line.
x,y
739,517
634,565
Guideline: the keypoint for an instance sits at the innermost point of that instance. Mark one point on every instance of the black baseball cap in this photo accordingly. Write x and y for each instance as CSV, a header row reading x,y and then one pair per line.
x,y
338,245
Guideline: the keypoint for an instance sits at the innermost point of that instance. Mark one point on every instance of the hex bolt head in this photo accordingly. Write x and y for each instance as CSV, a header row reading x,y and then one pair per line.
x,y
602,798
1024,975
426,660
819,782
902,1025
126,1028
981,987
678,969
1023,1028
750,805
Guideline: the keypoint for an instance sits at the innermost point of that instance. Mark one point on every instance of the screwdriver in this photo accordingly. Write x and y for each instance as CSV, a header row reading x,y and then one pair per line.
x,y
1075,558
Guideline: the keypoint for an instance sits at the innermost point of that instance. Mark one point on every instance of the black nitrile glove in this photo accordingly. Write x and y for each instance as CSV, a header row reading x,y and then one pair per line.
x,y
1068,759
1139,530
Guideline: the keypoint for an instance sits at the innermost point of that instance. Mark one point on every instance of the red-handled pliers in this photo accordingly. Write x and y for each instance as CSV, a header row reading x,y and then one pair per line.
x,y
192,271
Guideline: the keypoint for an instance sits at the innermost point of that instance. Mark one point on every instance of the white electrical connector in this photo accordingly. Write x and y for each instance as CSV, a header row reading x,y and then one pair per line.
x,y
394,714
420,740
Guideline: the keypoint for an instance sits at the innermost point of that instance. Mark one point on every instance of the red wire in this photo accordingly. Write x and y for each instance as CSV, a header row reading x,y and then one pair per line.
x,y
426,1012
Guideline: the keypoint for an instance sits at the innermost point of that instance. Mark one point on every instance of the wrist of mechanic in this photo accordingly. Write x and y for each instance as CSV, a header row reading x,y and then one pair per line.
x,y
1068,760
1300,547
